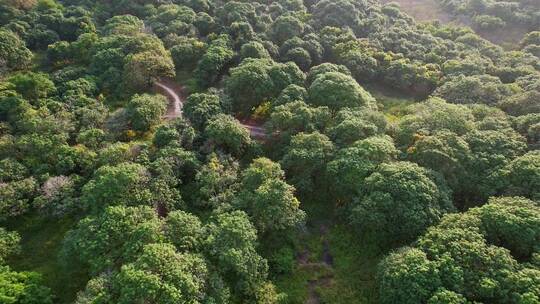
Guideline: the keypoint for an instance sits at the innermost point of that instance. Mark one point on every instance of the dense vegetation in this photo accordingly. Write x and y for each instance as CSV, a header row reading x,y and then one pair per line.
x,y
106,198
494,14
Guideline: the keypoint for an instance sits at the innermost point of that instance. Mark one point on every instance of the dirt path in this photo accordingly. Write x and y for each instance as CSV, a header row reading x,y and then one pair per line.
x,y
174,109
255,131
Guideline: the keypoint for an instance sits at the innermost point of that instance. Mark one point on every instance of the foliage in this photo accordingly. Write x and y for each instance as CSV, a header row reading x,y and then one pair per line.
x,y
522,176
145,111
231,241
9,242
228,134
351,165
160,274
468,257
22,287
281,148
214,61
268,199
337,90
399,192
257,80
305,159
118,235
124,184
13,53
200,108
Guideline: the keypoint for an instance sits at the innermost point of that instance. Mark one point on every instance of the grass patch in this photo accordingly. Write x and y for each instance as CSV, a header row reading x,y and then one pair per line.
x,y
355,264
351,277
296,284
393,102
41,241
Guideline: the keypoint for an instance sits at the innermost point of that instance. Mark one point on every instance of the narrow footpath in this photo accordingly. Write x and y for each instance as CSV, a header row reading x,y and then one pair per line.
x,y
324,266
174,110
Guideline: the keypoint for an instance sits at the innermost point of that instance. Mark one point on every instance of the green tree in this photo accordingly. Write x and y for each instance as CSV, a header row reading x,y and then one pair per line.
x,y
187,52
353,164
531,38
117,236
521,104
214,61
294,117
231,243
512,223
491,151
123,25
172,18
227,133
200,108
430,117
176,132
143,69
13,53
341,13
165,135
254,49
323,68
443,296
123,184
23,287
399,192
255,81
291,93
161,275
468,257
396,281
114,154
217,182
286,27
184,231
351,125
9,244
11,169
16,196
522,176
447,153
305,159
33,86
337,90
204,22
473,89
300,57
268,199
146,111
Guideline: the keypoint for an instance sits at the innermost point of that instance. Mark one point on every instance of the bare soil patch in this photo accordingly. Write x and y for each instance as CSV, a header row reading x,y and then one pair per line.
x,y
430,10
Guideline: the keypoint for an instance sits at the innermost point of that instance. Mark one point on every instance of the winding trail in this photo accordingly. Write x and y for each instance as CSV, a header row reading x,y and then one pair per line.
x,y
174,110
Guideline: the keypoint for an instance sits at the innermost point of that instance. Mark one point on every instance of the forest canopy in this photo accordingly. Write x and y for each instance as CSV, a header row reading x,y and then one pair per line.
x,y
287,151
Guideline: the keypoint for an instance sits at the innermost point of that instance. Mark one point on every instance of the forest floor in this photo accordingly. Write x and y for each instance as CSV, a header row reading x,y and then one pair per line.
x,y
332,265
392,102
41,241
